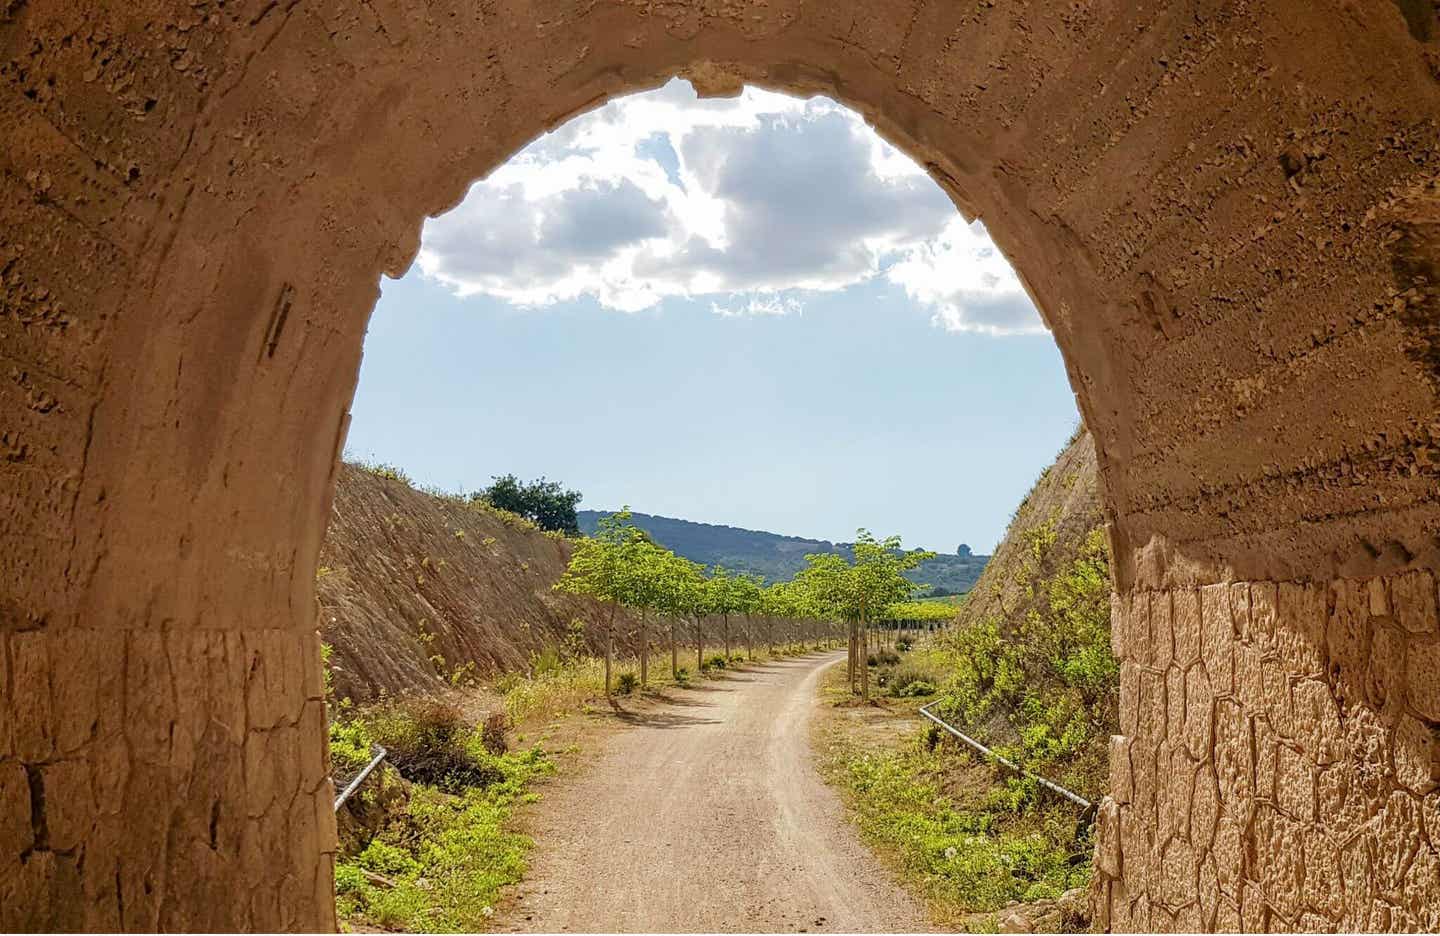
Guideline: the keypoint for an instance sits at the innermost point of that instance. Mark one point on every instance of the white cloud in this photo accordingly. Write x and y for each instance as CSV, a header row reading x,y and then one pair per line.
x,y
749,203
969,284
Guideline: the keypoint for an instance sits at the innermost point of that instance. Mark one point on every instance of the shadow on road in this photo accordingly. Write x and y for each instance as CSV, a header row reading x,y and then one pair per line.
x,y
662,719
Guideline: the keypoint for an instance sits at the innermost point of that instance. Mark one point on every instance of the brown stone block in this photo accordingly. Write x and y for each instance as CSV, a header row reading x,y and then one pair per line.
x,y
1250,678
1417,755
1378,596
1178,791
1368,741
1422,670
1209,896
1295,783
1120,643
1323,889
324,800
1175,707
1397,841
314,746
1227,918
1141,647
7,713
1179,874
312,670
69,803
34,728
1412,597
1279,840
1199,714
1204,808
149,696
1150,729
1129,702
1162,634
1421,895
1279,706
1122,780
1217,637
1144,765
1386,685
16,835
1302,618
1107,839
1356,861
1234,756
1227,849
1348,638
1341,804
1317,720
1265,759
1185,624
87,686
1240,612
1263,598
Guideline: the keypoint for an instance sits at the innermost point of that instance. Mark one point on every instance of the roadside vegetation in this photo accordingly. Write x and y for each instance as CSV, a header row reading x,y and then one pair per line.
x,y
1025,667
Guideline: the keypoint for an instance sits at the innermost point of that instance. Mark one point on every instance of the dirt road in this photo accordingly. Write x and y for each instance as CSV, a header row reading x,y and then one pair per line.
x,y
707,816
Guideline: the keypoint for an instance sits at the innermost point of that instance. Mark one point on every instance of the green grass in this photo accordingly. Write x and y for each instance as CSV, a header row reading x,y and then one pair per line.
x,y
968,848
448,857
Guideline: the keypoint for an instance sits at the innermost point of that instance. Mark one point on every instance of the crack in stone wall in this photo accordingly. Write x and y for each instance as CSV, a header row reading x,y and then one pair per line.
x,y
186,788
1279,761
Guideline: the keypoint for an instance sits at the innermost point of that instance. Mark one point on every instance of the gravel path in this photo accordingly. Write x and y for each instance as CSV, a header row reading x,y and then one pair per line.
x,y
708,816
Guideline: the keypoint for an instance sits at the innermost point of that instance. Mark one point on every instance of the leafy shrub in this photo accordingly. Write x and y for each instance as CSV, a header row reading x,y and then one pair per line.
x,y
737,658
883,658
903,644
492,735
429,742
899,680
626,683
350,745
682,677
716,662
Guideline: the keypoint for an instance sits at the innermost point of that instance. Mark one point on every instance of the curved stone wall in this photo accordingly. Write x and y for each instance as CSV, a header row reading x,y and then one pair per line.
x,y
1227,213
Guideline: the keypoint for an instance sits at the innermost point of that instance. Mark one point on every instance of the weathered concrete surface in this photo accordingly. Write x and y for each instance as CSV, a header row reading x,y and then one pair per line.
x,y
1278,768
1228,213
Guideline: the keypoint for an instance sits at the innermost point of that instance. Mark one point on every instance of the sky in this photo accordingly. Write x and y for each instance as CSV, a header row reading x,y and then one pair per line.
x,y
750,311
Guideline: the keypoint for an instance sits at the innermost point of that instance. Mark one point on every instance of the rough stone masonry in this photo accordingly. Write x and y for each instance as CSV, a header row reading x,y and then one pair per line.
x,y
1228,212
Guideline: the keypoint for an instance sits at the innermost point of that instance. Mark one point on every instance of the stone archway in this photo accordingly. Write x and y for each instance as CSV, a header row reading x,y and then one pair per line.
x,y
1226,212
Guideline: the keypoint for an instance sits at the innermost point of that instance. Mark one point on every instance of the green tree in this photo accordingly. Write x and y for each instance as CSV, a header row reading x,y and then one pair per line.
x,y
546,503
598,570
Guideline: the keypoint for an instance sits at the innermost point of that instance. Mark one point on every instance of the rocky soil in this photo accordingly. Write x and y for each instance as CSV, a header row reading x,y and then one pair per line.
x,y
417,591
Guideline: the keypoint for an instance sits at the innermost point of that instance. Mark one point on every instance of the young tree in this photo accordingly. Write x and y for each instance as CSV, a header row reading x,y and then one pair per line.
x,y
597,570
879,581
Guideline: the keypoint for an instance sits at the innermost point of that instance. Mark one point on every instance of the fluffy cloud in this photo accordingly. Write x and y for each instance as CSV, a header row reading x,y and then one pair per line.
x,y
749,203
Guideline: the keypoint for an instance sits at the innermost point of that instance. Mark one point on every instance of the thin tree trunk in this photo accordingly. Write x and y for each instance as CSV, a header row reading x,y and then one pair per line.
x,y
609,646
726,619
750,637
644,650
699,643
850,658
674,652
865,669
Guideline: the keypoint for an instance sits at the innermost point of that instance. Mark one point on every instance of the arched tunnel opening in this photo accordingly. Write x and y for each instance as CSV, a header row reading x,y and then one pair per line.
x,y
1221,213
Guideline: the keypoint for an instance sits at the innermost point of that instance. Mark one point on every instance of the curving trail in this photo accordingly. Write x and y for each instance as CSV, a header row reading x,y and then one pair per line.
x,y
708,816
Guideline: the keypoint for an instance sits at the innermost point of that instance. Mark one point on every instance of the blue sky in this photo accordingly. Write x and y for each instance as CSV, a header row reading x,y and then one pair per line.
x,y
749,311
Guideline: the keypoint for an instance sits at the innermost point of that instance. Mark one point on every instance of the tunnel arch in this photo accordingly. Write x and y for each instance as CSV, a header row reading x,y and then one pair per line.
x,y
1226,214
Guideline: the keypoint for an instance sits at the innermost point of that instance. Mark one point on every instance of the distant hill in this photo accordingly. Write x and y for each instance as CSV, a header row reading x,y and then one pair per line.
x,y
779,557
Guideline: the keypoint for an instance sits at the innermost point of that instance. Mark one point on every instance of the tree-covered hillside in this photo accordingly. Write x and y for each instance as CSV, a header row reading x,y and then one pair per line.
x,y
778,557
